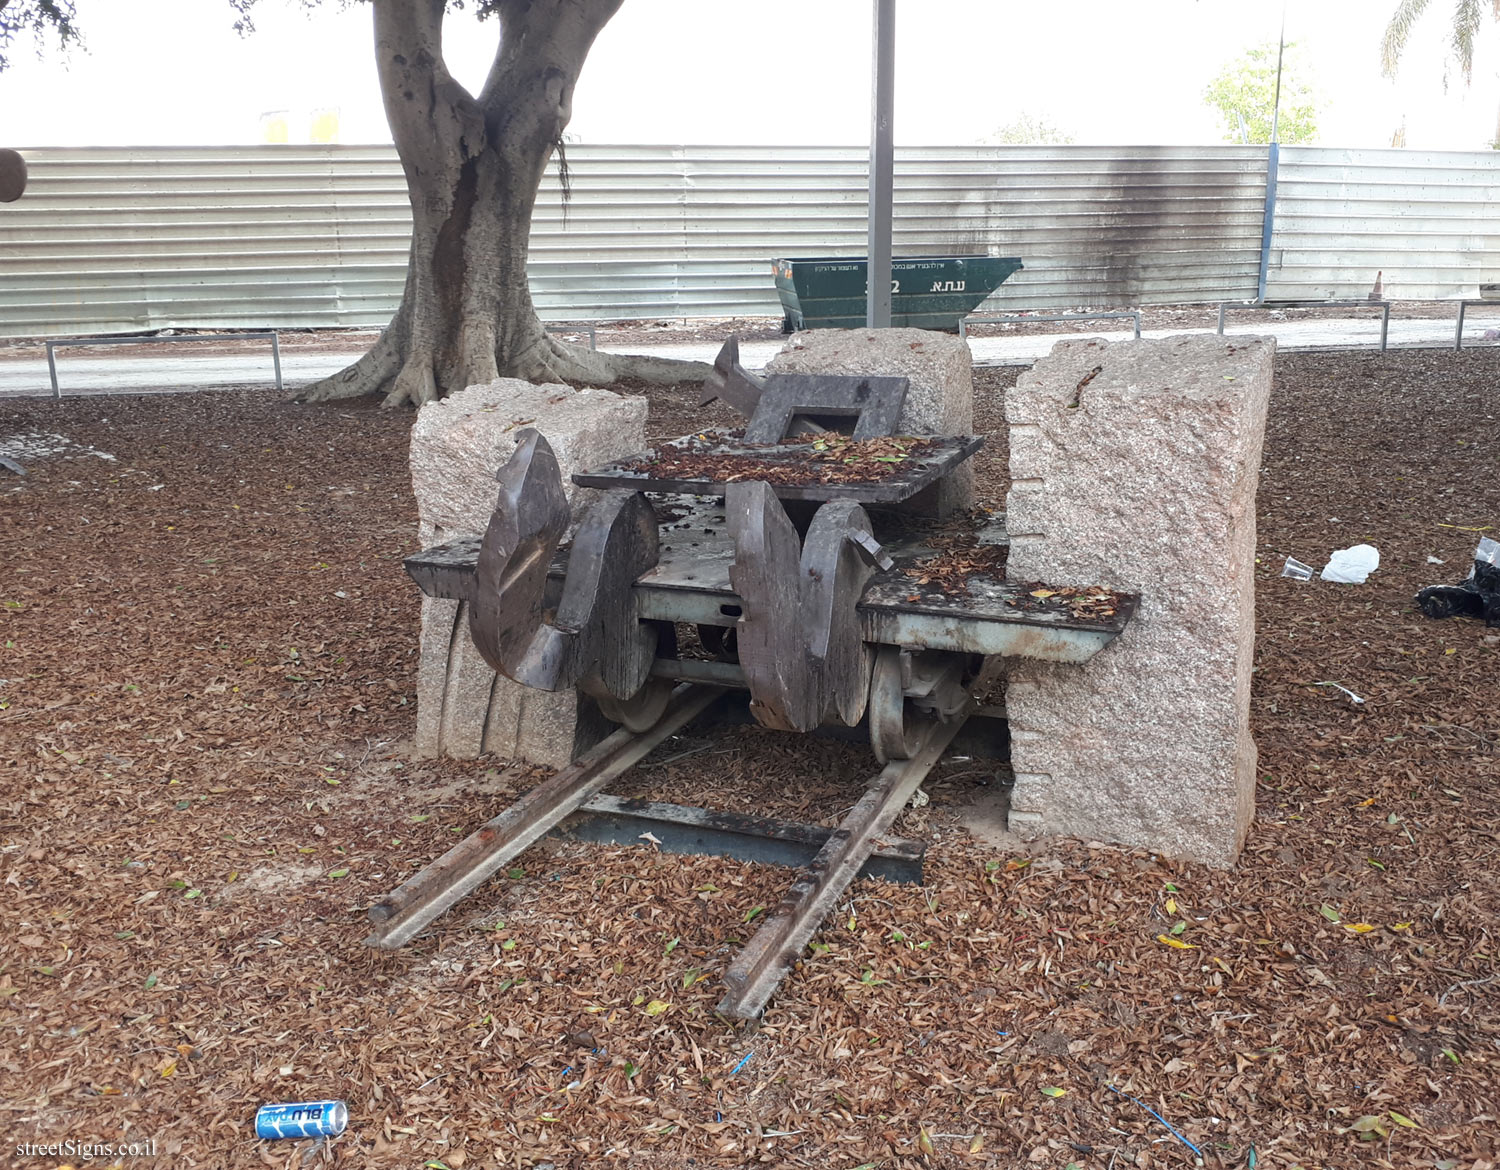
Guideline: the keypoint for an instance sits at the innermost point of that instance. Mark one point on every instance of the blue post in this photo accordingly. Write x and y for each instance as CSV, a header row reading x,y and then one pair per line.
x,y
1273,157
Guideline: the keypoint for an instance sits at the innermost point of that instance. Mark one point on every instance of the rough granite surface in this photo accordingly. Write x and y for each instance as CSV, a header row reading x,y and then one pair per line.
x,y
1134,465
458,443
940,400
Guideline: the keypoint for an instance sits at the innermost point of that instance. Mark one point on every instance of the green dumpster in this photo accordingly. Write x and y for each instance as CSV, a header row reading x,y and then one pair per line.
x,y
927,292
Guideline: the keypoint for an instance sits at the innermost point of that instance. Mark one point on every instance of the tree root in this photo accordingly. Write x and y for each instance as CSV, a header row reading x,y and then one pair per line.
x,y
416,383
369,375
411,378
572,363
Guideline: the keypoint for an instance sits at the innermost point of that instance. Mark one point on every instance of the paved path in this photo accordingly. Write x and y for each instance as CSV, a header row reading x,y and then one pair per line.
x,y
182,371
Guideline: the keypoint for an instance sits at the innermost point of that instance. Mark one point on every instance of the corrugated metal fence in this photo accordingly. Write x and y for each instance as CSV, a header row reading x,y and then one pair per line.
x,y
116,240
1429,221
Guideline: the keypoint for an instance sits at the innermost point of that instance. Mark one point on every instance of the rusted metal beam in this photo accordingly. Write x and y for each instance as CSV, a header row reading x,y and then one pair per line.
x,y
759,969
678,828
424,896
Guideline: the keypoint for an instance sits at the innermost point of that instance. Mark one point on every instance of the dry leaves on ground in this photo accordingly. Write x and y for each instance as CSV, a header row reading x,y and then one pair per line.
x,y
209,660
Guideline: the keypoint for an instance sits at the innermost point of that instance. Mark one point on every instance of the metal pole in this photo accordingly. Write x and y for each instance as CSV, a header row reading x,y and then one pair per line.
x,y
1273,159
276,358
1280,53
52,371
882,167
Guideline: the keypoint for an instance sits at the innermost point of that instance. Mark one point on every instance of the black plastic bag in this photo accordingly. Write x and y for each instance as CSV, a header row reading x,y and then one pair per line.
x,y
1478,595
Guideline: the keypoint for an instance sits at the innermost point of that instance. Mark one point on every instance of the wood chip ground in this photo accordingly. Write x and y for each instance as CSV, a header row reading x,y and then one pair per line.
x,y
209,655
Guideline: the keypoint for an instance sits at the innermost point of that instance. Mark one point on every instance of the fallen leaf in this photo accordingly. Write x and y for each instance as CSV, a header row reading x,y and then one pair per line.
x,y
1176,944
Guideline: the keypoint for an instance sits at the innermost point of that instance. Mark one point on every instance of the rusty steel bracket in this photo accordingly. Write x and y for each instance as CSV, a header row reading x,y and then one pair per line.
x,y
758,970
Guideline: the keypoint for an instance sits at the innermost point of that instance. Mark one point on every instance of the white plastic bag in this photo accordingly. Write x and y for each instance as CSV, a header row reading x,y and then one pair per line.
x,y
1352,566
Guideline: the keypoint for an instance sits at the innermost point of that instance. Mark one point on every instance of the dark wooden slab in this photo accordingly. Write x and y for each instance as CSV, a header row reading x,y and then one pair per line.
x,y
614,545
784,690
838,558
446,570
908,478
873,403
732,382
515,556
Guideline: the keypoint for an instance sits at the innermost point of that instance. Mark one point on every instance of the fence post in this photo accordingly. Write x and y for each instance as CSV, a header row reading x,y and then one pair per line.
x,y
1273,159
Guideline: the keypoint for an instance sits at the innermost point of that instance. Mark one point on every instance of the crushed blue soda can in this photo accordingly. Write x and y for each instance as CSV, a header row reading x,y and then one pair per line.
x,y
302,1119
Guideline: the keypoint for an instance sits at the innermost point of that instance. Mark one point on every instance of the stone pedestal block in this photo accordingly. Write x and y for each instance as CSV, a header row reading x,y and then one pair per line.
x,y
1134,466
458,443
940,400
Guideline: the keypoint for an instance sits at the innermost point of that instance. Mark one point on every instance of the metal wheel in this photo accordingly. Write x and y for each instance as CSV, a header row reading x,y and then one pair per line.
x,y
643,710
720,641
892,736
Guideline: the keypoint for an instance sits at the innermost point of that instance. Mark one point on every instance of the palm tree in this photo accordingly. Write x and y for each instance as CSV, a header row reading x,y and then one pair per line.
x,y
1468,16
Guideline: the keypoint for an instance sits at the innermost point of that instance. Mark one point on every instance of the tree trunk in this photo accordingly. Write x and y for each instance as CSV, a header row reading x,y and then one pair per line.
x,y
473,166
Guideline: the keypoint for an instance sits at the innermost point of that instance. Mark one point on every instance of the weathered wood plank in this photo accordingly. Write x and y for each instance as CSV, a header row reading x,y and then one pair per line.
x,y
420,899
759,969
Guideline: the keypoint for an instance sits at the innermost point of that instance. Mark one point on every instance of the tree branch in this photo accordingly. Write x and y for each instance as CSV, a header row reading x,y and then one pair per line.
x,y
543,43
422,100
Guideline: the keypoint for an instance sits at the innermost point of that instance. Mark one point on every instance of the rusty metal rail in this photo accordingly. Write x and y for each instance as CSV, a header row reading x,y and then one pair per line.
x,y
420,899
759,969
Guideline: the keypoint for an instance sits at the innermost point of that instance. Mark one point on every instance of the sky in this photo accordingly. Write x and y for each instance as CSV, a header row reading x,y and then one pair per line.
x,y
767,72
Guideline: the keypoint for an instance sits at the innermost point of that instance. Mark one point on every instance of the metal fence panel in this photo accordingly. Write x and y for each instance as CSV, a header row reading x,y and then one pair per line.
x,y
119,240
1427,223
